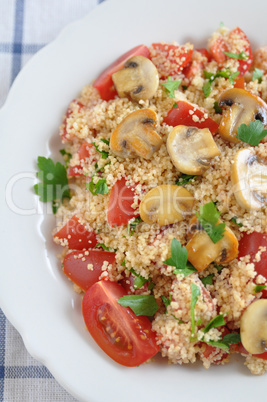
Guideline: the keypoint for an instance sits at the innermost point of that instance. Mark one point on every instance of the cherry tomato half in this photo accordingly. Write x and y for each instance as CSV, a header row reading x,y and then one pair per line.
x,y
181,115
83,153
119,207
126,338
170,59
77,263
104,83
249,244
75,235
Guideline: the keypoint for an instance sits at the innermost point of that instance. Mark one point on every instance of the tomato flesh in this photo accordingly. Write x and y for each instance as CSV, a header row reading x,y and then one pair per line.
x,y
181,115
119,207
104,83
75,235
177,58
126,338
239,83
75,266
83,153
249,244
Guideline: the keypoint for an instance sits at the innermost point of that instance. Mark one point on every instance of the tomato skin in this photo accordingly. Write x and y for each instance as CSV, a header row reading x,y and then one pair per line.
x,y
217,49
181,115
119,207
65,137
177,56
209,349
240,348
128,285
205,53
249,244
83,153
80,238
104,83
244,65
239,83
126,338
75,266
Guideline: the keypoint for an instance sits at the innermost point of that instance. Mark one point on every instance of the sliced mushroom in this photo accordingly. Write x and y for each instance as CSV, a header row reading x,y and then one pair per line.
x,y
249,179
244,107
136,135
191,149
166,204
253,327
202,251
138,79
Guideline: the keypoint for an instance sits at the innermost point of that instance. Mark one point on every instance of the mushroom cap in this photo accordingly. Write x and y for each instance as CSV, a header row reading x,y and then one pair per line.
x,y
136,135
244,107
138,79
253,327
249,180
166,204
191,149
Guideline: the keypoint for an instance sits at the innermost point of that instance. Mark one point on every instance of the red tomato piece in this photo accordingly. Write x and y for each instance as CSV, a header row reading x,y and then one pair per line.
x,y
240,348
240,83
170,59
126,338
75,235
84,153
244,65
104,83
209,349
249,245
205,53
181,115
119,207
217,49
75,266
63,132
128,285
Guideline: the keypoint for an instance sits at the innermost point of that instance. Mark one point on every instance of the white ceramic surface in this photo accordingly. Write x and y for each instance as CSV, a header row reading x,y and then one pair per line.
x,y
34,295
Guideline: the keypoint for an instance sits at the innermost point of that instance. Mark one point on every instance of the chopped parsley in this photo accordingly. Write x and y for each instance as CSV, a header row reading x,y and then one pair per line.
x,y
208,218
54,185
104,154
102,245
212,76
100,187
257,75
132,225
139,281
170,86
184,179
253,133
175,106
237,56
259,288
217,321
178,259
234,219
217,108
195,293
208,280
218,267
167,301
232,338
66,156
140,304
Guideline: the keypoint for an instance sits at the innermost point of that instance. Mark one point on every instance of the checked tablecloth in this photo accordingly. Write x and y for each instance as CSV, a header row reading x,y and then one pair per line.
x,y
25,27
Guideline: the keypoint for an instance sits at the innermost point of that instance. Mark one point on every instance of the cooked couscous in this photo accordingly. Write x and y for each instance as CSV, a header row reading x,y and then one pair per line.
x,y
156,154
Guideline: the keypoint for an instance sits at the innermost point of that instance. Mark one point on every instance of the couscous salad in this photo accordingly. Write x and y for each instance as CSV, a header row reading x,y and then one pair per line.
x,y
161,202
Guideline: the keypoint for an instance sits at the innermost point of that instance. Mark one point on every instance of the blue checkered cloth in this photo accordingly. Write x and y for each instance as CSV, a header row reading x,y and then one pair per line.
x,y
25,27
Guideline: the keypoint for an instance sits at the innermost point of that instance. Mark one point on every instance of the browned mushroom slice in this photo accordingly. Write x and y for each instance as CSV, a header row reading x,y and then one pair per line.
x,y
243,107
136,135
137,80
191,149
202,251
166,204
249,179
253,327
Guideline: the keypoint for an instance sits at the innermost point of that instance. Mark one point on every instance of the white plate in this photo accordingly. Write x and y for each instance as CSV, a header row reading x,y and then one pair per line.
x,y
34,295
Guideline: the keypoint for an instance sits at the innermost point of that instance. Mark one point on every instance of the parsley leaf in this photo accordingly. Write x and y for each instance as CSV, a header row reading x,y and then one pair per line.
x,y
140,304
54,182
66,156
195,293
104,154
212,76
234,219
238,56
217,108
217,321
219,345
257,75
259,288
102,245
171,86
98,188
132,225
207,88
232,338
184,179
178,259
208,280
253,133
140,280
208,219
175,106
167,301
218,267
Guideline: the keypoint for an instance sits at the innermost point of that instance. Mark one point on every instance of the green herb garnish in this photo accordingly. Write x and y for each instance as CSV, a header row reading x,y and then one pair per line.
x,y
104,154
178,259
140,304
54,185
218,267
184,179
219,345
132,225
208,218
66,155
253,133
234,219
232,338
237,56
208,280
170,86
97,188
167,301
195,293
139,281
102,245
217,108
212,76
257,75
217,321
259,288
